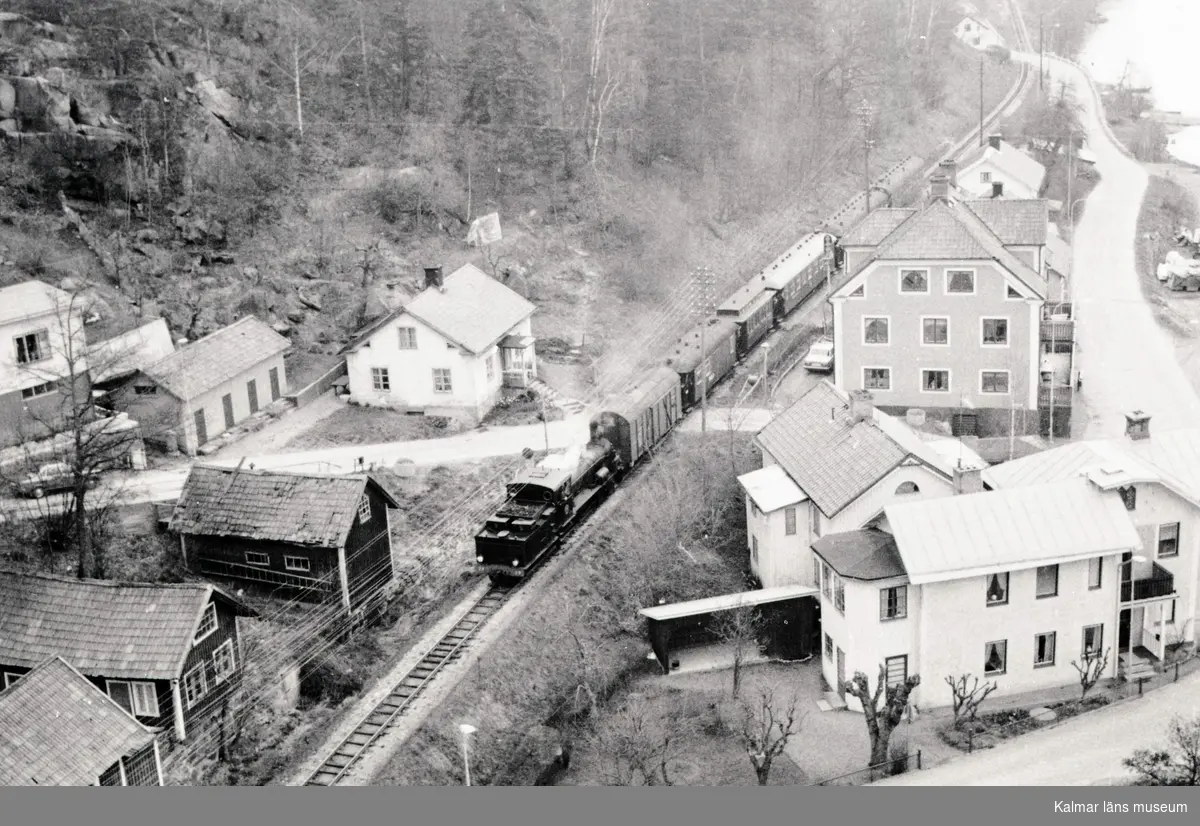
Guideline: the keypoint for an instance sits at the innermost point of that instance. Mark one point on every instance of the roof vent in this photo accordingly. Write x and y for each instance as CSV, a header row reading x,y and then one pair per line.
x,y
1137,425
994,140
862,407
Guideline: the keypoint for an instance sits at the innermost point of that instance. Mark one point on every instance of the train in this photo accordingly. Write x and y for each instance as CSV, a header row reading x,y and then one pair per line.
x,y
548,500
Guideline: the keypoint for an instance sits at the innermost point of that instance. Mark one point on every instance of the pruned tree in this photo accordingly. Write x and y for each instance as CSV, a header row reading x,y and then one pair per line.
x,y
968,700
1177,763
739,627
637,746
881,719
766,728
1091,670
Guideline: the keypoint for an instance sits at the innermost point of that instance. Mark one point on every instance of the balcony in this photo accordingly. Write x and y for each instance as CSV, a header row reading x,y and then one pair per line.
x,y
1058,323
1062,395
1150,581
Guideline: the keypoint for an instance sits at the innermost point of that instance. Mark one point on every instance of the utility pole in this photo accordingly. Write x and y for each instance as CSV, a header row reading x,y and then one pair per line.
x,y
1041,51
864,119
981,100
1070,179
704,277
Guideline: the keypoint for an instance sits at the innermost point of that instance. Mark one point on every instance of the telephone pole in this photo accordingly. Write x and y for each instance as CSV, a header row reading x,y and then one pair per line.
x,y
705,280
1041,52
981,100
864,119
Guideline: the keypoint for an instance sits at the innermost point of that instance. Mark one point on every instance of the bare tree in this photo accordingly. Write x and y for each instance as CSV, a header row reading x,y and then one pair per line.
x,y
881,720
603,80
967,701
637,746
1091,670
766,729
1177,764
739,627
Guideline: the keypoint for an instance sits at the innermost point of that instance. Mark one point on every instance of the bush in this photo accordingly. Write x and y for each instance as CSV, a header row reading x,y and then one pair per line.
x,y
328,682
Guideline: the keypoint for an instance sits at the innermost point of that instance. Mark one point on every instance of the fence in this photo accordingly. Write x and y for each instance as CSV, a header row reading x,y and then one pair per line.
x,y
310,393
877,772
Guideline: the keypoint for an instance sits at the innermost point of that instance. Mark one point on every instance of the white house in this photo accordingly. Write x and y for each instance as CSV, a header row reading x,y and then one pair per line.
x,y
977,33
831,463
1007,586
449,351
999,170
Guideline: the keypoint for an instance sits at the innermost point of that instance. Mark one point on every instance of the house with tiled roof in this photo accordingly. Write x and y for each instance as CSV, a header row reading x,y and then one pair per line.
x,y
1008,586
312,536
1158,477
997,169
207,386
830,463
449,351
941,309
58,729
168,654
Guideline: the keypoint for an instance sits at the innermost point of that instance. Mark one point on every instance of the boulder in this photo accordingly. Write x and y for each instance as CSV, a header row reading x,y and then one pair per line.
x,y
83,114
296,316
215,99
281,328
9,125
41,106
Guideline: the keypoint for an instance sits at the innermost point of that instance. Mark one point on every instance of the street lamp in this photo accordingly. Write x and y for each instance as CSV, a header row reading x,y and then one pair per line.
x,y
766,348
467,730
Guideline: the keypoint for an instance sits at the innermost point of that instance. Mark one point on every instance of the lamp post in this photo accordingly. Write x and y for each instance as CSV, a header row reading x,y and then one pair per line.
x,y
766,348
1053,348
467,730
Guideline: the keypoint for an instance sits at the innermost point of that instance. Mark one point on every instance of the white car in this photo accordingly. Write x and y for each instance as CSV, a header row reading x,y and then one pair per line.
x,y
820,357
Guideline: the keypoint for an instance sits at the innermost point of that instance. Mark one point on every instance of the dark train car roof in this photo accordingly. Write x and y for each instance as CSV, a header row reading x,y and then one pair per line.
x,y
747,299
630,403
685,356
543,477
853,209
784,268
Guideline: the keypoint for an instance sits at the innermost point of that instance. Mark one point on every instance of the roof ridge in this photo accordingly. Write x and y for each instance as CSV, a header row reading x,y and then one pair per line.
x,y
310,474
107,583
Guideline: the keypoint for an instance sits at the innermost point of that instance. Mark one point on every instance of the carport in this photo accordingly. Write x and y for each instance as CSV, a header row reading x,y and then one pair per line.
x,y
791,622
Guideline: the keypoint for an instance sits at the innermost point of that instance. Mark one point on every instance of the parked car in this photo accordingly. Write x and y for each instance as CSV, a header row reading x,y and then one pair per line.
x,y
50,478
820,357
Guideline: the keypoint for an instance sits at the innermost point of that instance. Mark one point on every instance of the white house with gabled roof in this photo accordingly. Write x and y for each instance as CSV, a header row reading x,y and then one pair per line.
x,y
997,169
449,351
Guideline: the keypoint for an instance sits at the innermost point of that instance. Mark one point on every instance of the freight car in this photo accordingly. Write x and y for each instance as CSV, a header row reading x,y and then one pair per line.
x,y
720,356
798,273
750,309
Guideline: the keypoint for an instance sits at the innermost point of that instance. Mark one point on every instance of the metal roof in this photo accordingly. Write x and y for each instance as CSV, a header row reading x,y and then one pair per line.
x,y
771,488
130,351
747,299
798,256
686,355
31,299
868,554
975,534
727,602
634,401
1010,159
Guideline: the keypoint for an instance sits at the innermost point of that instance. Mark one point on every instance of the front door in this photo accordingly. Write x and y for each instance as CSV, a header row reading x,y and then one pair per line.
x,y
841,673
201,427
274,376
1123,630
227,403
252,395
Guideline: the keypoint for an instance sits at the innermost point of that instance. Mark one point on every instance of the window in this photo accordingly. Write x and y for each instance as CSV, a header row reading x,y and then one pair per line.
x,y
995,332
1129,497
875,330
145,698
828,647
984,177
441,380
816,522
33,347
145,391
208,622
1047,581
907,487
297,563
1168,540
1059,347
897,670
223,663
893,602
995,657
859,292
1093,639
380,380
754,550
993,381
257,558
877,378
1043,649
491,367
935,331
960,281
816,571
407,338
839,594
37,390
789,521
1012,293
195,685
914,281
1095,573
364,509
997,589
935,381
10,678
826,582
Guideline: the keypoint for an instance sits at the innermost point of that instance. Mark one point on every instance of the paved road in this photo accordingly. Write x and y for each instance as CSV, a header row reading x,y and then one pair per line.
x,y
1082,751
1128,362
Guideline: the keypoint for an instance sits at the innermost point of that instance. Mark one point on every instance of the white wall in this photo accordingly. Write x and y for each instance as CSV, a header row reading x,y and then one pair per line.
x,y
969,181
1156,506
214,408
15,376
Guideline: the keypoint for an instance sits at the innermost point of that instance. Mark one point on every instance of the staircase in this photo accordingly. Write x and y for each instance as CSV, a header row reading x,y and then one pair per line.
x,y
570,407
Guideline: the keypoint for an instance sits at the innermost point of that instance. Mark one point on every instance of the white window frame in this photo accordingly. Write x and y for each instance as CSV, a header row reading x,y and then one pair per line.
x,y
364,509
220,676
381,380
1007,332
36,391
888,375
406,338
1008,382
41,342
1087,653
887,669
887,320
789,521
208,624
1096,563
1053,635
985,177
901,612
144,696
1037,583
900,280
188,699
266,558
299,564
438,386
1158,540
974,280
949,379
987,581
10,678
921,331
1004,656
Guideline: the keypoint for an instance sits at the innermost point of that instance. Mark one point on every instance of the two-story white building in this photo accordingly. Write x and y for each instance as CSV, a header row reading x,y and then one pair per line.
x,y
42,331
449,351
997,169
1007,586
831,462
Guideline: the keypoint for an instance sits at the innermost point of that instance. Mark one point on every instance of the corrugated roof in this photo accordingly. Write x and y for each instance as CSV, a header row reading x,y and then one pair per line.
x,y
685,357
131,351
296,508
1017,222
727,602
866,555
974,534
208,362
771,488
58,729
798,256
29,299
875,227
105,629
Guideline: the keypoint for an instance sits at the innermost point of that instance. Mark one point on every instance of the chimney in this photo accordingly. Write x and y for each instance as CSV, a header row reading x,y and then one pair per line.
x,y
994,141
433,277
997,189
862,406
967,480
949,168
939,188
1137,425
